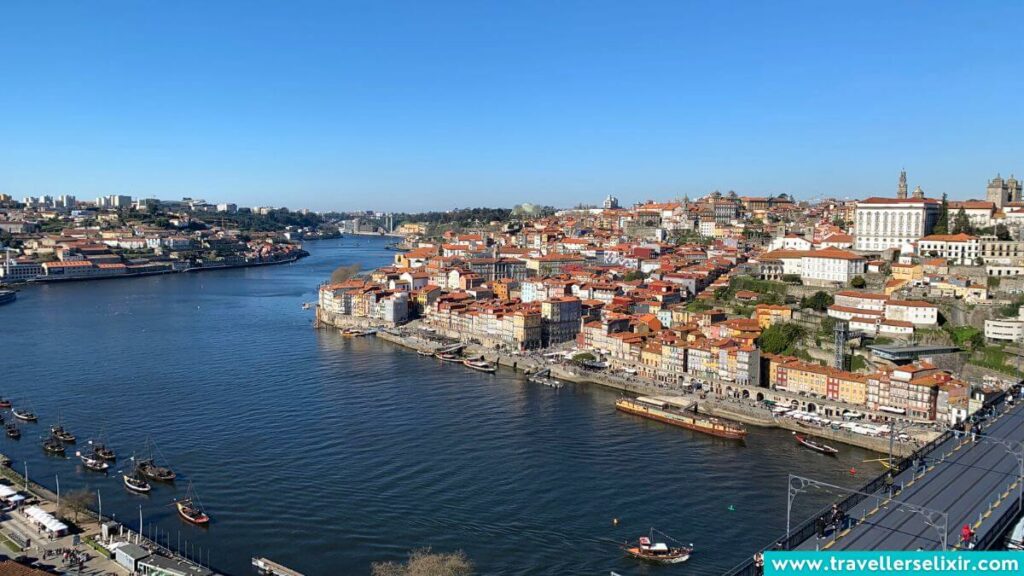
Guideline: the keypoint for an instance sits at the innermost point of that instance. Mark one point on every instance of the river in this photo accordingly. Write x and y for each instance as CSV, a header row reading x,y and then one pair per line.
x,y
327,453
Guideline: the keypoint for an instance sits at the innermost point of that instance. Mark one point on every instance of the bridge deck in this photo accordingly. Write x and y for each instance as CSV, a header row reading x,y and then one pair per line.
x,y
973,482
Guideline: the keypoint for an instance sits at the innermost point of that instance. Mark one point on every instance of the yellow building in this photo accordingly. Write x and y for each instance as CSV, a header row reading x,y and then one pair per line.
x,y
768,314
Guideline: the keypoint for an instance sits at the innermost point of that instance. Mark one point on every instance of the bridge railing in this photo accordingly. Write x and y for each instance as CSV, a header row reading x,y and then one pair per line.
x,y
807,528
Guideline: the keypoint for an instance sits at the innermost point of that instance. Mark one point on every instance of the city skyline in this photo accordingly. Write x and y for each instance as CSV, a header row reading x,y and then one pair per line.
x,y
409,108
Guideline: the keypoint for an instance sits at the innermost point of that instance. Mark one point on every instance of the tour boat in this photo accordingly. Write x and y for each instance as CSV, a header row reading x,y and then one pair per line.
x,y
12,431
5,403
481,365
816,446
648,550
53,445
26,415
191,509
136,482
58,431
93,461
449,357
660,411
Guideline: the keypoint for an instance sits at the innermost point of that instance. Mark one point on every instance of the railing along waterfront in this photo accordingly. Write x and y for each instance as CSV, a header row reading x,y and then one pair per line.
x,y
807,528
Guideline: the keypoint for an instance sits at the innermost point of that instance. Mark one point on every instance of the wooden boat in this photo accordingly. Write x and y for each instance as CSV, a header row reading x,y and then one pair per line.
x,y
349,332
481,365
816,446
53,445
61,433
135,481
25,415
92,461
151,470
5,403
449,357
660,411
13,431
102,451
648,550
191,509
425,352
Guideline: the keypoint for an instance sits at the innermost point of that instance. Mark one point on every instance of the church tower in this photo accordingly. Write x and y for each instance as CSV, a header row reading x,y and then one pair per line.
x,y
901,192
997,192
1013,191
918,193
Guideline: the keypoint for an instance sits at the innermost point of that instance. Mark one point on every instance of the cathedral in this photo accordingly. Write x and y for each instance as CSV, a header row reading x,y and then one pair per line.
x,y
1002,192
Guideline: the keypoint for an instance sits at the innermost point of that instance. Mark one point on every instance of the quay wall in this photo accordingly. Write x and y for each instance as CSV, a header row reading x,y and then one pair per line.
x,y
731,409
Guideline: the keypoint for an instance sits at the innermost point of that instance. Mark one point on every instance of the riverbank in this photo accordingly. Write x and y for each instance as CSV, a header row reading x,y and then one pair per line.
x,y
23,537
746,411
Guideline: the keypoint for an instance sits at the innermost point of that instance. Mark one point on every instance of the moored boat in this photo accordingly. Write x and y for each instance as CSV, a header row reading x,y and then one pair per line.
x,y
135,481
53,445
660,411
191,509
12,431
102,451
151,470
62,434
92,461
5,403
646,549
816,446
425,352
449,357
24,415
481,365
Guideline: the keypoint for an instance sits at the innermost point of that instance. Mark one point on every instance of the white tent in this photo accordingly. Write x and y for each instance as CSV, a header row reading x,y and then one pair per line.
x,y
47,520
10,495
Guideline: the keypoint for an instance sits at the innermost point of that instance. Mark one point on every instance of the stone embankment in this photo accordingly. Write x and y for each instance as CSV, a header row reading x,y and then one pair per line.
x,y
746,411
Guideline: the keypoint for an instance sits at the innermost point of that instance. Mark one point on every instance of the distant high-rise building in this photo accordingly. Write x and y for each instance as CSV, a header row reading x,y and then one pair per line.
x,y
1002,192
901,191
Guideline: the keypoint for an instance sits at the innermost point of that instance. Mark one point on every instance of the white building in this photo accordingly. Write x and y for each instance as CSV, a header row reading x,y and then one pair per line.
x,y
1006,330
961,248
884,223
831,265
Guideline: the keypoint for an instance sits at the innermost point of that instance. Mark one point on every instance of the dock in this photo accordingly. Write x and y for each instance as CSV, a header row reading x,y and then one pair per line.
x,y
271,568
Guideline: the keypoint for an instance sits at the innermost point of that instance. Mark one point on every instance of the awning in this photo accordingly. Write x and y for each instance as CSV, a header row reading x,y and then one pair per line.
x,y
6,491
46,519
891,409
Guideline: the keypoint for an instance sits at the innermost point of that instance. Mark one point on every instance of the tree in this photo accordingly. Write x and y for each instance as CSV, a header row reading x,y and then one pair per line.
x,y
584,357
781,338
819,301
425,563
343,273
962,224
858,282
942,224
634,275
1002,232
78,502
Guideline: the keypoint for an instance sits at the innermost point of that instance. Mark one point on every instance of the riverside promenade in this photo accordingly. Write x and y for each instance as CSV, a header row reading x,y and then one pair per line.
x,y
745,410
84,540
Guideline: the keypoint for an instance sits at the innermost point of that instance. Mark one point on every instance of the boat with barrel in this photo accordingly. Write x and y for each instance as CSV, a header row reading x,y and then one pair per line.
x,y
5,403
60,432
101,450
135,481
648,550
150,469
53,445
25,415
662,412
480,364
807,442
191,509
92,461
12,431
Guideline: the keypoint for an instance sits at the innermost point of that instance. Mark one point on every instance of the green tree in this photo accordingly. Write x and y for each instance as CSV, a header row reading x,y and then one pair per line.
x,y
962,224
819,301
634,275
781,338
1002,232
942,224
858,282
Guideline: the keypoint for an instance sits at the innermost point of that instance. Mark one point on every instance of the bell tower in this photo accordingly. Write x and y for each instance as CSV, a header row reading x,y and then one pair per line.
x,y
901,191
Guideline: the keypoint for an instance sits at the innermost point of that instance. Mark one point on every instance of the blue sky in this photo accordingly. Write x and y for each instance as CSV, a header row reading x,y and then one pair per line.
x,y
433,105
